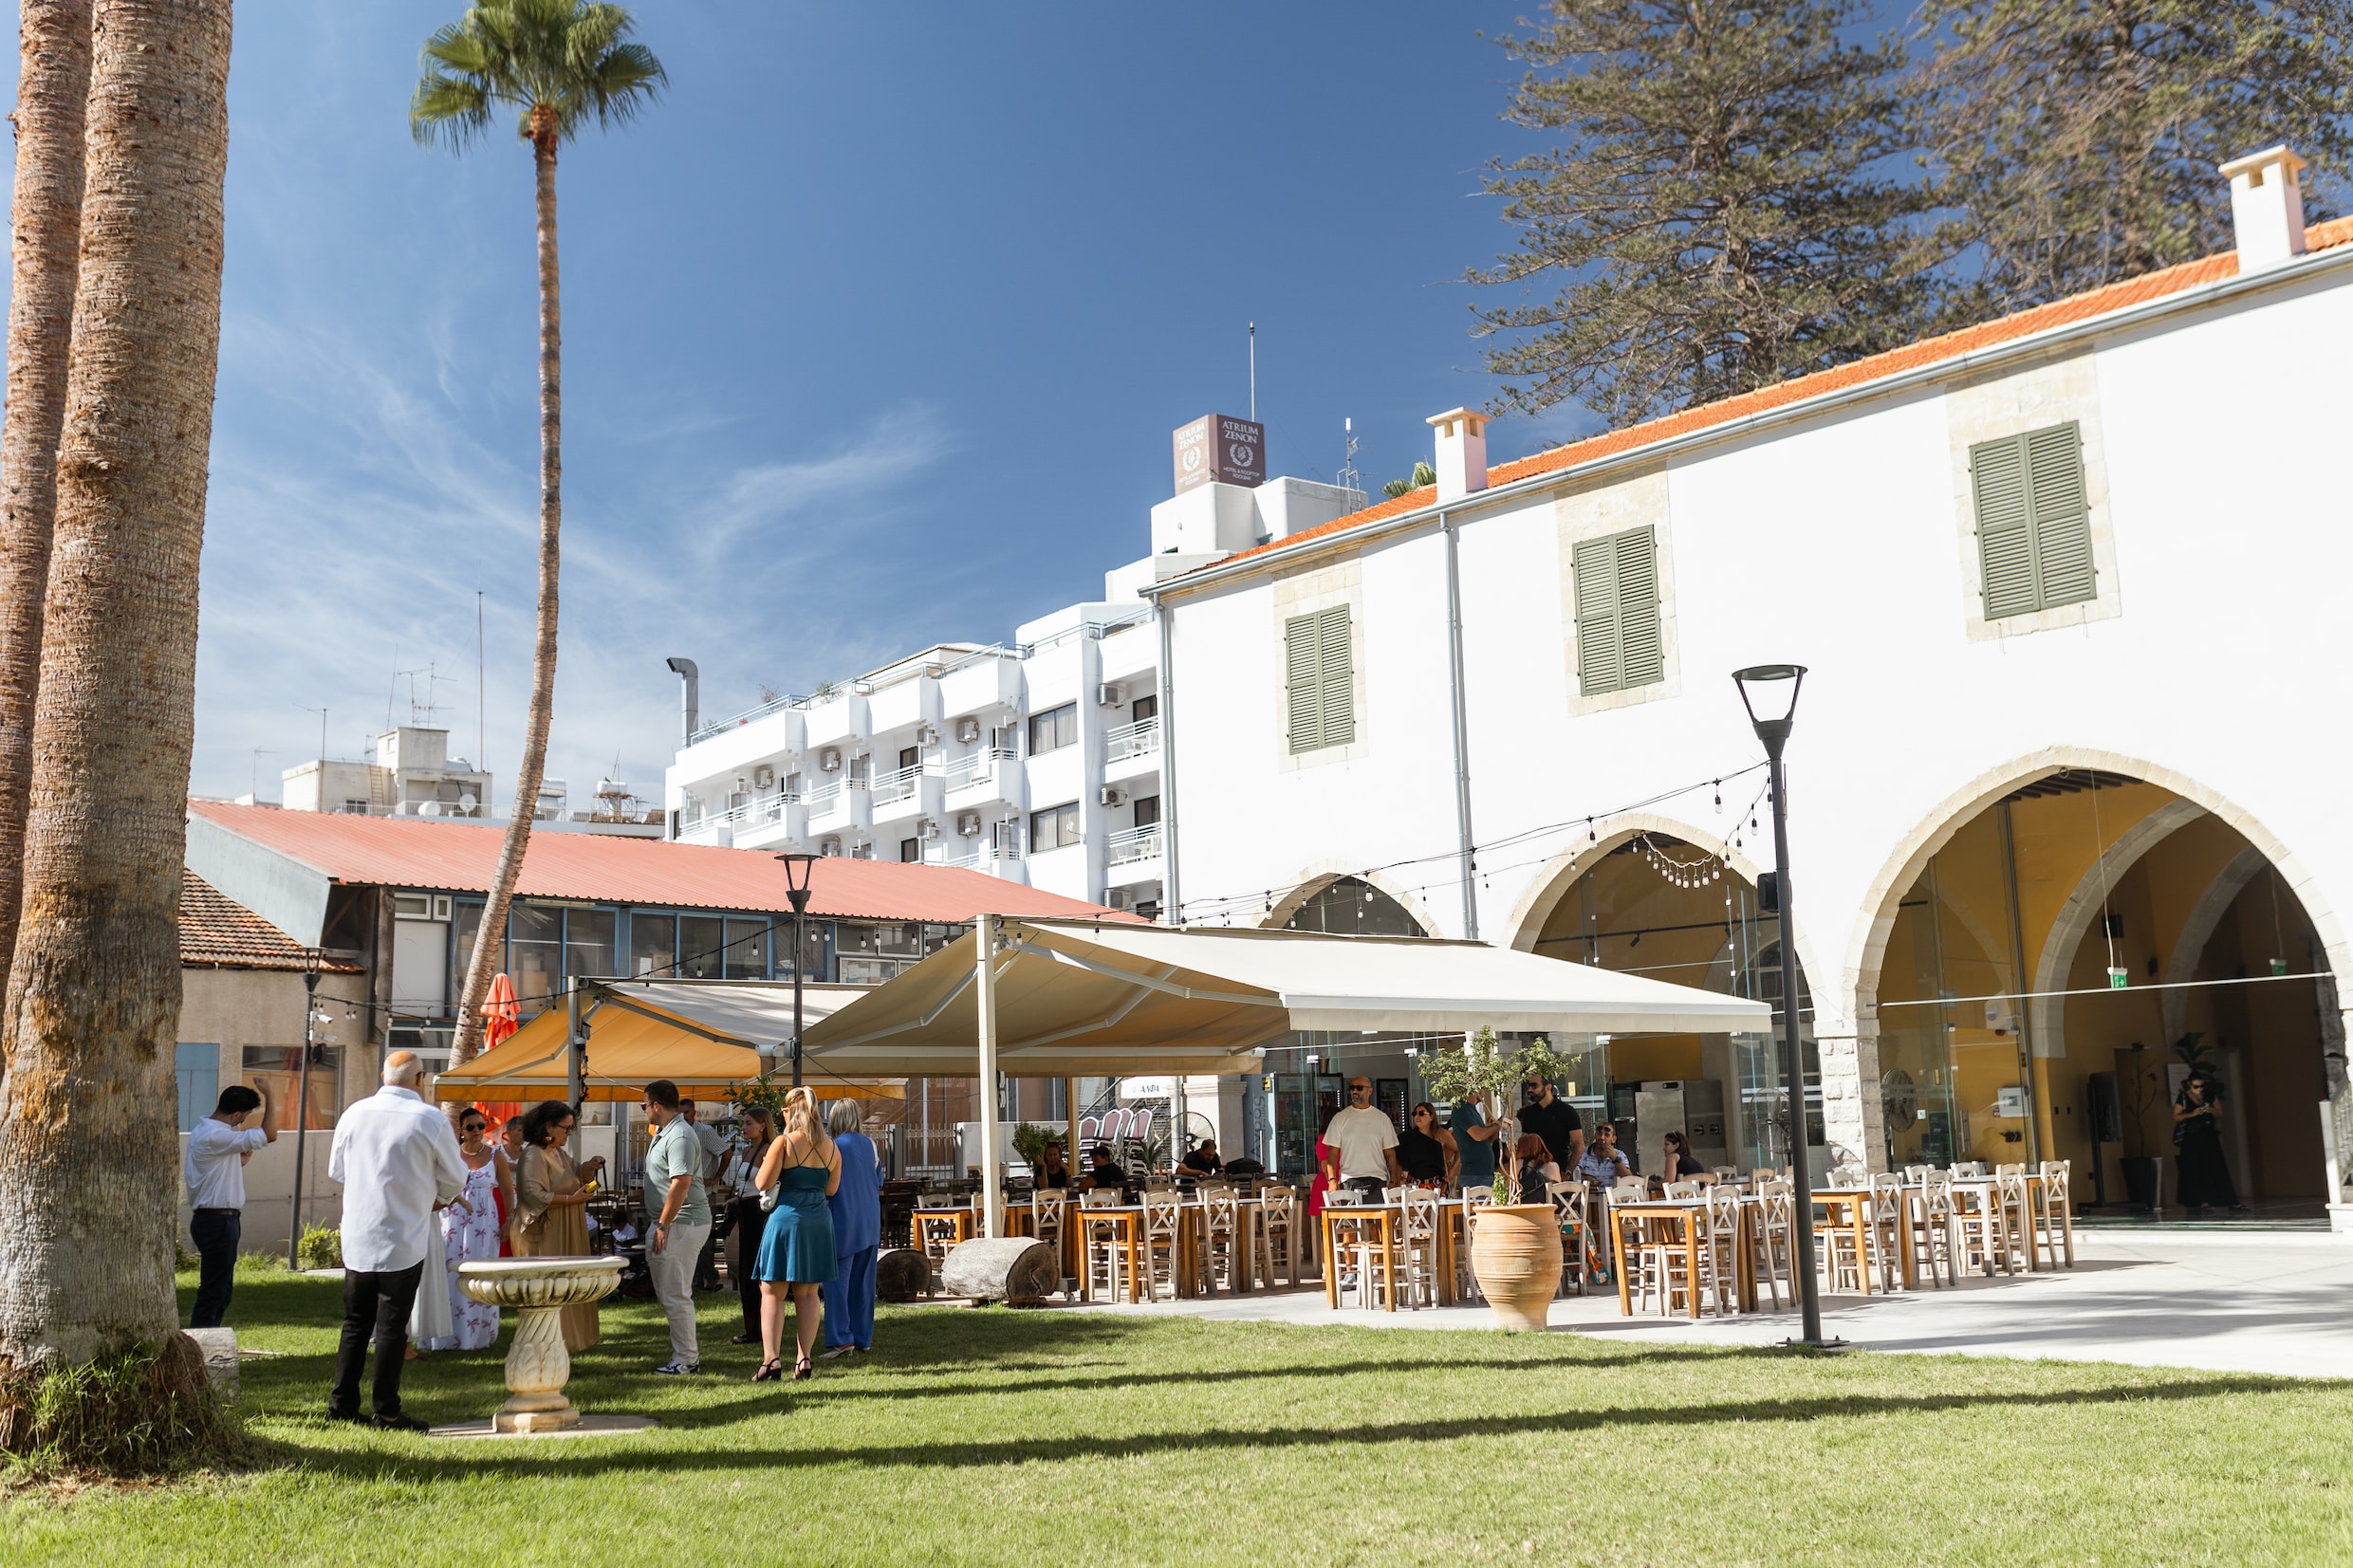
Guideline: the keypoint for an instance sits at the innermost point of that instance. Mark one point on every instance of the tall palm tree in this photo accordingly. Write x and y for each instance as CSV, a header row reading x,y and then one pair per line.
x,y
88,1130
52,83
559,64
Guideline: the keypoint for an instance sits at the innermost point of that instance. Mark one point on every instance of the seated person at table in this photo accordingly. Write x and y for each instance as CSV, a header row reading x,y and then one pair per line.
x,y
1105,1174
1423,1147
1679,1165
1533,1168
1051,1171
1203,1160
1602,1164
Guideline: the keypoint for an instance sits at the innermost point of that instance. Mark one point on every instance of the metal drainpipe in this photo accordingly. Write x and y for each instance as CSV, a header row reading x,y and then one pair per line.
x,y
1462,732
1172,903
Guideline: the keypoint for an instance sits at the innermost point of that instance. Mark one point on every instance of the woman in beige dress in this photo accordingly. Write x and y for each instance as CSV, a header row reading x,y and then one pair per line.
x,y
551,1216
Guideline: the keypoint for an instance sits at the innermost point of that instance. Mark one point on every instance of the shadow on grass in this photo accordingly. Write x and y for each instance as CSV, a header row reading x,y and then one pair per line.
x,y
571,1461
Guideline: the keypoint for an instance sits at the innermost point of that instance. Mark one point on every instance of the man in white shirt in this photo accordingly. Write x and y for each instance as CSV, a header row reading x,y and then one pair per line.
x,y
397,1161
213,1169
1363,1144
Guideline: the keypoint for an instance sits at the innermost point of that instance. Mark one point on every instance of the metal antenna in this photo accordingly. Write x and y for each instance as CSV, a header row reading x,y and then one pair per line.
x,y
1349,478
1253,357
481,746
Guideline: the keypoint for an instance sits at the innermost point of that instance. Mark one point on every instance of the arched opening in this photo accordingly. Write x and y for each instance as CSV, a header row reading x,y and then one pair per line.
x,y
1663,905
1309,1071
2065,957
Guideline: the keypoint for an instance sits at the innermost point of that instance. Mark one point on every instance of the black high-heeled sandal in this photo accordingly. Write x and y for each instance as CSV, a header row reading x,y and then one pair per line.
x,y
802,1371
771,1369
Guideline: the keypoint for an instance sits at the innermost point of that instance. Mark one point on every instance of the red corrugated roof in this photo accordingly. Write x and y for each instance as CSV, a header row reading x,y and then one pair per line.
x,y
1928,351
460,857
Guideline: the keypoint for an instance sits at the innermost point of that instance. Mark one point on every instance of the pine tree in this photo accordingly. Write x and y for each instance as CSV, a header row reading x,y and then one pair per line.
x,y
2078,138
1729,204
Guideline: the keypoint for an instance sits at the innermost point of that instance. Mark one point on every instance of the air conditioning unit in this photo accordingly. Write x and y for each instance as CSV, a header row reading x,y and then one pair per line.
x,y
1110,694
1120,898
830,847
764,778
927,829
926,735
830,759
968,824
967,731
1111,795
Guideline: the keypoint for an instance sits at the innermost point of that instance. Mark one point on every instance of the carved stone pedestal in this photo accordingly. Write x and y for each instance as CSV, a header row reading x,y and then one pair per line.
x,y
538,1365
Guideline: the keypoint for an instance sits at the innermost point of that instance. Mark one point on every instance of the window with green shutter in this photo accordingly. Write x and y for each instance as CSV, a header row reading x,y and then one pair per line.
x,y
2033,522
1320,677
1621,643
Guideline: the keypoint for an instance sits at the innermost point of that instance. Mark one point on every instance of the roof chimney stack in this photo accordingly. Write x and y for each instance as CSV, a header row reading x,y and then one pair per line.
x,y
2267,207
1462,453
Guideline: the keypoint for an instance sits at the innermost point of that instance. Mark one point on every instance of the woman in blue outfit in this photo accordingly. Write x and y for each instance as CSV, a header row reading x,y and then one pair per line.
x,y
797,1174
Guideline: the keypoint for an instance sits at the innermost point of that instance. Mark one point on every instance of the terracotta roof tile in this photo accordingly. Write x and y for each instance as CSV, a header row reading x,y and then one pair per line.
x,y
461,857
217,933
1928,351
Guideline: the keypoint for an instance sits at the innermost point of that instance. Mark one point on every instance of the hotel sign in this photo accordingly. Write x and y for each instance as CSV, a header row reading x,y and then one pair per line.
x,y
1216,445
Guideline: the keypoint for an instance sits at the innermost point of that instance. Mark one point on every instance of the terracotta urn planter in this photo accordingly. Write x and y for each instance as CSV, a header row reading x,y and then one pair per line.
x,y
1515,1253
538,1365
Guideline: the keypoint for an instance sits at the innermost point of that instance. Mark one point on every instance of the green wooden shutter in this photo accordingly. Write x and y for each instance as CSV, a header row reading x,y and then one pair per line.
x,y
2063,569
1997,471
1594,564
2033,521
1302,670
1642,645
1336,670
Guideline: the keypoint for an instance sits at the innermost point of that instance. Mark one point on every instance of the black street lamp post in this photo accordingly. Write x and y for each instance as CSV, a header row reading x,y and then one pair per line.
x,y
797,868
1768,692
302,1099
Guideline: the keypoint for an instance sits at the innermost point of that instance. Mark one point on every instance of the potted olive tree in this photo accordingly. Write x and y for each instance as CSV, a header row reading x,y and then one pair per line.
x,y
1515,1248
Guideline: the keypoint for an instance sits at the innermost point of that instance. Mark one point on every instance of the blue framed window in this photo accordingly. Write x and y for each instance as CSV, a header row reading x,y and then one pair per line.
x,y
197,1068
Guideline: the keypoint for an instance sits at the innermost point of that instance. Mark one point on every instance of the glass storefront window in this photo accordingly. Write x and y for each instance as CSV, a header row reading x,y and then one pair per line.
x,y
588,944
535,956
747,950
703,946
469,923
653,942
280,1067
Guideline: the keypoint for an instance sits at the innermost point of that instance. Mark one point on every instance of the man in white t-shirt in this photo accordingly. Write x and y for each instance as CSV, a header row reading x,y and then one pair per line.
x,y
1363,1144
213,1169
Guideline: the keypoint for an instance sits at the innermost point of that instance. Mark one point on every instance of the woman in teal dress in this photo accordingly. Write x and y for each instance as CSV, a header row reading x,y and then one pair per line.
x,y
799,1172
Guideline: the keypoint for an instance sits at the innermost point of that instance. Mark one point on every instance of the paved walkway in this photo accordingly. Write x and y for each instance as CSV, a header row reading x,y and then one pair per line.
x,y
2261,1301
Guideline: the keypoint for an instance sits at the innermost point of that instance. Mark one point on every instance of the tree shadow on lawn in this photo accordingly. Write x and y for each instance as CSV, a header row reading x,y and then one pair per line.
x,y
569,1459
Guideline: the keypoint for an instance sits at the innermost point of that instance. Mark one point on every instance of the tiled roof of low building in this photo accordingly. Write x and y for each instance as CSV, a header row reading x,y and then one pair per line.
x,y
217,933
462,856
1798,389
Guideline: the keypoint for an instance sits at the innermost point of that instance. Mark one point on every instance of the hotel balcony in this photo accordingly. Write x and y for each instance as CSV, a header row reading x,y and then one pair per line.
x,y
978,781
1132,855
1132,749
837,803
904,797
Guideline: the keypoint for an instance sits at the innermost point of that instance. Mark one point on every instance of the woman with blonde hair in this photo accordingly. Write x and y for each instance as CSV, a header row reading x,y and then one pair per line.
x,y
798,1173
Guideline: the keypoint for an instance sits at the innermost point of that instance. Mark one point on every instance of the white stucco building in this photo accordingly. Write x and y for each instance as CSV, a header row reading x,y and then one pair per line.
x,y
2068,588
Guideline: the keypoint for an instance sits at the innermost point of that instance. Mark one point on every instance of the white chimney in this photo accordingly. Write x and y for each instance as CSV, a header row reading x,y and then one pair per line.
x,y
1462,453
2267,207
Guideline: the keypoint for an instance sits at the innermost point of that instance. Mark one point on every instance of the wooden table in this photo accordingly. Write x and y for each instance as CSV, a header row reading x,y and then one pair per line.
x,y
1854,1204
1130,1219
1391,1218
1991,1186
967,1222
1686,1212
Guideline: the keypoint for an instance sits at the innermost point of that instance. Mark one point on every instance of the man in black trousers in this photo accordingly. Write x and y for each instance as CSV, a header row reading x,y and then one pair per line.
x,y
397,1159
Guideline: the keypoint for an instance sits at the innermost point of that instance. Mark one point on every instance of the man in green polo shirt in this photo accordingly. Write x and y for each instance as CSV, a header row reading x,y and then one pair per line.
x,y
673,1189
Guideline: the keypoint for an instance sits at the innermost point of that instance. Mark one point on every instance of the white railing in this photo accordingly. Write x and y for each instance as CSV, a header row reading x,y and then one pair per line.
x,y
979,768
895,786
1137,843
1132,740
825,791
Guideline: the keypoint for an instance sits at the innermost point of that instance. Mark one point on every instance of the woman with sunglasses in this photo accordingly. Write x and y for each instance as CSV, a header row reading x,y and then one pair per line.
x,y
552,1212
1427,1150
469,1232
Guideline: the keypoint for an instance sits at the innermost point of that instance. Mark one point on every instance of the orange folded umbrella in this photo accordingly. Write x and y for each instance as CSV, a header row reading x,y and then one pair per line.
x,y
501,1016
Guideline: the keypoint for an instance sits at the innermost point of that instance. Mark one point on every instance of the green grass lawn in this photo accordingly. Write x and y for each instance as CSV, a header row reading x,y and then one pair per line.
x,y
1056,1438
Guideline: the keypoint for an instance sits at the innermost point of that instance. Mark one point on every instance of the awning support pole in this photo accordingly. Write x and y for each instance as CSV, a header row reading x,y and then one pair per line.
x,y
992,1133
576,1086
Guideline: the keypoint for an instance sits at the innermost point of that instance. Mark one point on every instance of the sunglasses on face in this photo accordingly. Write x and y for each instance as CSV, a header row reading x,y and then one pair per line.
x,y
1360,1088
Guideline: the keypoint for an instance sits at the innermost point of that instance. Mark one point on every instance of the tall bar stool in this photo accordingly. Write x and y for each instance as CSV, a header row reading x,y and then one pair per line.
x,y
2054,1212
1278,1234
1770,1236
1932,1227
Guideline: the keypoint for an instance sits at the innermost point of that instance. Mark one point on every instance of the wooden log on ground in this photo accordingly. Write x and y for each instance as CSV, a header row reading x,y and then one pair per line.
x,y
901,1275
1008,1268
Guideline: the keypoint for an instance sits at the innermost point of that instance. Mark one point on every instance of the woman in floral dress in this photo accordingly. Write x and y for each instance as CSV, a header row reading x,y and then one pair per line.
x,y
470,1231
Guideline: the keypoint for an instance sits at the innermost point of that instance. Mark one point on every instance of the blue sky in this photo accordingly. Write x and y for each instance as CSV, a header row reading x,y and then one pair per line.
x,y
875,329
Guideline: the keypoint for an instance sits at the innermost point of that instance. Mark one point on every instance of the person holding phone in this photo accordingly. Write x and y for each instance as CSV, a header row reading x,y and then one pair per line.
x,y
551,1213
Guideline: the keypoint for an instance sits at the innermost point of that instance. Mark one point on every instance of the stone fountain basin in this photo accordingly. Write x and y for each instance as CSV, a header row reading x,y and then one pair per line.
x,y
539,1282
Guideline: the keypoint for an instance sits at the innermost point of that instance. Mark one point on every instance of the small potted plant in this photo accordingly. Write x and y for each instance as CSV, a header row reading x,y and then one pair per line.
x,y
1515,1248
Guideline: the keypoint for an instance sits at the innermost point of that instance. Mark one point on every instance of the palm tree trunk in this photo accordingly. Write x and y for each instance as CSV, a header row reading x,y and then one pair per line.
x,y
489,944
52,85
88,1124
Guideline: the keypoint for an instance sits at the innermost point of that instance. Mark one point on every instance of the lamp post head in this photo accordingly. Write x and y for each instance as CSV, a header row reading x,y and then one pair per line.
x,y
1768,692
797,868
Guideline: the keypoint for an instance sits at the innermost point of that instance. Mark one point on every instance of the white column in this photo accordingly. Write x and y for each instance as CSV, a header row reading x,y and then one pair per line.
x,y
991,1126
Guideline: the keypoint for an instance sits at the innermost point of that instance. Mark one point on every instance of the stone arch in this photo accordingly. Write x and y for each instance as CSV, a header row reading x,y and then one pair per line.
x,y
1322,874
1875,921
2205,917
2045,1014
1551,884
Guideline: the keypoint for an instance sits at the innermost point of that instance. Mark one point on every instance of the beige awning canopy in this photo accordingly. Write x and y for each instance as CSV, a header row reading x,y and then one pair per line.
x,y
1089,999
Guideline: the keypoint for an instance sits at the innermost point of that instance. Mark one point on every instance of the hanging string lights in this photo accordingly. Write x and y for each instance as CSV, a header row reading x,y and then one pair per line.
x,y
1683,874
